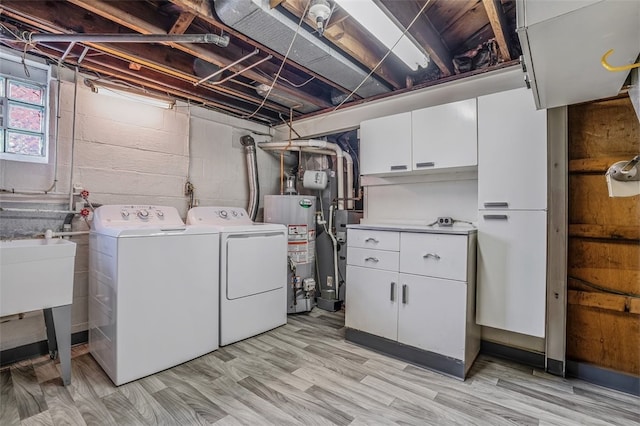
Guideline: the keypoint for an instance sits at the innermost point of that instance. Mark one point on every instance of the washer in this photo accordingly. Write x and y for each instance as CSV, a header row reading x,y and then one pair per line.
x,y
253,271
153,290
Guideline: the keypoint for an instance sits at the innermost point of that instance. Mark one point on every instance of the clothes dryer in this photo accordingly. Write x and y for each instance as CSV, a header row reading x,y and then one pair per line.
x,y
253,271
153,290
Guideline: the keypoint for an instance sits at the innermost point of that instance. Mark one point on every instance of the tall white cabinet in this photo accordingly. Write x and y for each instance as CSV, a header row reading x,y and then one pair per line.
x,y
512,215
411,293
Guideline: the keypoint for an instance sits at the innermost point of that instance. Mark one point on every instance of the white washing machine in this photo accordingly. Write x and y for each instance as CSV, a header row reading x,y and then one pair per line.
x,y
153,290
253,271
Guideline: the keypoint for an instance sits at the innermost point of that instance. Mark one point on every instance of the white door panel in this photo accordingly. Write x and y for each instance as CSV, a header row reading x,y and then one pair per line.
x,y
373,301
244,278
512,249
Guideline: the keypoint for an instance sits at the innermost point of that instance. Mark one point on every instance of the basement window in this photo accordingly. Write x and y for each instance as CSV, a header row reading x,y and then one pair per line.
x,y
24,110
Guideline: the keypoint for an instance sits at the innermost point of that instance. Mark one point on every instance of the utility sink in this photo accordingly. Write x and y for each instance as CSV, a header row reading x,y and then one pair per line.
x,y
35,274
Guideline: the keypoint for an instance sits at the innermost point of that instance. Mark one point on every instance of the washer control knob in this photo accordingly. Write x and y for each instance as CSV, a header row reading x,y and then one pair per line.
x,y
125,213
160,213
223,214
235,213
143,214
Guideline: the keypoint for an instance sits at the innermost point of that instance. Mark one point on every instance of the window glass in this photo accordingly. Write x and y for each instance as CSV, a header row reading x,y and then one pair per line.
x,y
25,117
24,143
24,92
24,109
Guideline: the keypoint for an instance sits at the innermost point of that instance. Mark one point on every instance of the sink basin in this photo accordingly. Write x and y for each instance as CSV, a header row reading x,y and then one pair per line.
x,y
35,274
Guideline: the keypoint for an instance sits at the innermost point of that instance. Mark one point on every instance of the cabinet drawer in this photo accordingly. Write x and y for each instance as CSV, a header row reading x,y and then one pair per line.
x,y
434,255
377,259
380,240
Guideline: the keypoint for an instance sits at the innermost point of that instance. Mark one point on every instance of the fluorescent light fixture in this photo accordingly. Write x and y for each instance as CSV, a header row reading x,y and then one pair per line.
x,y
125,93
376,21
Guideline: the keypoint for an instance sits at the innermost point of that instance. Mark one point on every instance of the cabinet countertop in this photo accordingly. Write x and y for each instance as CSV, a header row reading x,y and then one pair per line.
x,y
464,229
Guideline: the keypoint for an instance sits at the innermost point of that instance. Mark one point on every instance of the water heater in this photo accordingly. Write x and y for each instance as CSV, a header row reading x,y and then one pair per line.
x,y
297,213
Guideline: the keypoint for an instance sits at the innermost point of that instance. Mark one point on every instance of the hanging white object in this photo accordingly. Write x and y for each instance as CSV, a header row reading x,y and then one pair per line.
x,y
314,179
623,178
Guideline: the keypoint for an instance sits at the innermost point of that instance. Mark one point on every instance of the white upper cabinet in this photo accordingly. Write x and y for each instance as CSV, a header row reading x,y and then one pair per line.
x,y
445,135
512,152
563,42
438,137
385,144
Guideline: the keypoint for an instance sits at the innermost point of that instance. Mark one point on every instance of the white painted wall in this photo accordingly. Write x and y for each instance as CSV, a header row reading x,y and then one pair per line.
x,y
129,153
420,200
218,167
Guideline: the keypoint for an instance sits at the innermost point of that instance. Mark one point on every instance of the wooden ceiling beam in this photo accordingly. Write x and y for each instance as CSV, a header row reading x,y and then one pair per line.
x,y
108,66
156,57
111,12
423,32
499,24
182,23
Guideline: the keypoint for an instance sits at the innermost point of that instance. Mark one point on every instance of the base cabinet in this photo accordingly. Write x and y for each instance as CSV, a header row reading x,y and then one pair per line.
x,y
413,308
372,301
435,324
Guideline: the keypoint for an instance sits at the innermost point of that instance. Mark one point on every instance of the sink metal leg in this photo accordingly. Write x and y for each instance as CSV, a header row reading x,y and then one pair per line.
x,y
51,333
62,324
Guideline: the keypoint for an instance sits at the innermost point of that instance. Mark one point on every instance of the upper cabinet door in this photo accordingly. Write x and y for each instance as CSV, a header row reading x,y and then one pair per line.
x,y
512,152
385,144
445,136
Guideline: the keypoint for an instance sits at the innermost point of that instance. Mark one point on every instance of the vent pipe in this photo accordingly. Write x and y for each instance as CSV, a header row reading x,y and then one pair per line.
x,y
252,172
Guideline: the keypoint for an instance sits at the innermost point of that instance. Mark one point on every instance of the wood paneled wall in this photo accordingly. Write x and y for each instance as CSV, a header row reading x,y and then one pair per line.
x,y
603,312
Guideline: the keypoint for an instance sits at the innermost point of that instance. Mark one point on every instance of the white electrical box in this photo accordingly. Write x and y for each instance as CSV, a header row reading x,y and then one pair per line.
x,y
314,179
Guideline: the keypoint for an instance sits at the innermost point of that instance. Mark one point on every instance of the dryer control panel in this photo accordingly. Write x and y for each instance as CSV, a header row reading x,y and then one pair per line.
x,y
139,216
218,216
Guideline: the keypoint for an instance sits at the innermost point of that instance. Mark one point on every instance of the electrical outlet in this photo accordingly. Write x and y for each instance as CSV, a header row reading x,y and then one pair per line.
x,y
445,221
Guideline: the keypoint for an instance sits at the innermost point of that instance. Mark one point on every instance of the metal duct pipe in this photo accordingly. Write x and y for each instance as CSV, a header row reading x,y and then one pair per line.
x,y
252,170
319,145
222,41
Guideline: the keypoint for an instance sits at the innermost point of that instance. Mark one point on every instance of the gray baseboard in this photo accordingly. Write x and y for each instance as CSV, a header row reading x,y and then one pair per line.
x,y
604,377
555,367
9,356
433,361
522,356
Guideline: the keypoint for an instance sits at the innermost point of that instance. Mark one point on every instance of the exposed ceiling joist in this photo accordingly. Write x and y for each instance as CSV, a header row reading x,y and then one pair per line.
x,y
498,23
146,26
182,23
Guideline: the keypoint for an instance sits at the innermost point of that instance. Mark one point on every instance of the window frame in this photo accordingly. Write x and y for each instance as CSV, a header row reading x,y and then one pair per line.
x,y
46,108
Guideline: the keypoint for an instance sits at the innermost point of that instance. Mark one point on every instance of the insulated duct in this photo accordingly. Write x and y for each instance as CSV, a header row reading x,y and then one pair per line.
x,y
252,171
255,19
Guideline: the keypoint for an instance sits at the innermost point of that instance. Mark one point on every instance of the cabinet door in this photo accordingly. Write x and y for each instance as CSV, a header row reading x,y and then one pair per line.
x,y
385,144
373,301
432,314
511,291
512,152
445,136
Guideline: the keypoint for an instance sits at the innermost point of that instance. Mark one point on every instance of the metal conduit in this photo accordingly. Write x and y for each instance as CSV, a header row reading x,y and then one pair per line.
x,y
222,41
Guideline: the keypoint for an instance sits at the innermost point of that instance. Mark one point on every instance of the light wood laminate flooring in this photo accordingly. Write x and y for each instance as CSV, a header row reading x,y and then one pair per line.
x,y
304,373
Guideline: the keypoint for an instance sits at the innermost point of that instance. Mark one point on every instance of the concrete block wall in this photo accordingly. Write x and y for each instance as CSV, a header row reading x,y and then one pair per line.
x,y
126,152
